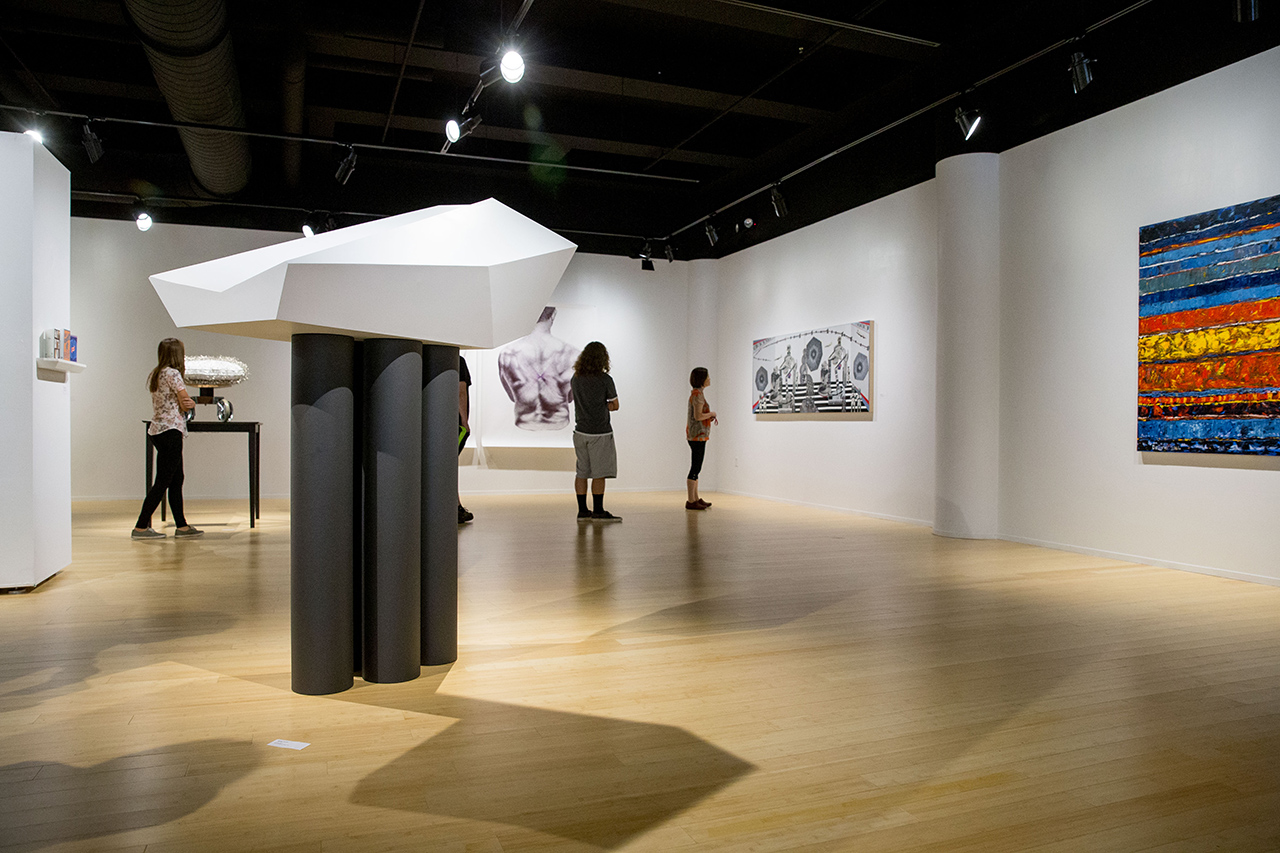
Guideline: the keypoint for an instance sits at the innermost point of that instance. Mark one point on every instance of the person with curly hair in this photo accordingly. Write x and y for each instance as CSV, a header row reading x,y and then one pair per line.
x,y
594,397
698,432
169,402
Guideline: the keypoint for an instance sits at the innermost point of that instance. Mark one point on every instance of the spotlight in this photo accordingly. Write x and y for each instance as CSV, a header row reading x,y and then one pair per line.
x,y
1245,11
779,203
318,222
671,254
1081,72
92,144
346,167
646,257
512,66
36,135
453,131
968,121
748,224
144,220
712,236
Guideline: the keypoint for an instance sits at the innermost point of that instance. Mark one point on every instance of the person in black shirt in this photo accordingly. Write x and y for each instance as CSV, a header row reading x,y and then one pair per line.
x,y
594,397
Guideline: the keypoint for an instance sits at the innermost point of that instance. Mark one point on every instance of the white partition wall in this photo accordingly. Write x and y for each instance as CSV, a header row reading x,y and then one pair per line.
x,y
35,418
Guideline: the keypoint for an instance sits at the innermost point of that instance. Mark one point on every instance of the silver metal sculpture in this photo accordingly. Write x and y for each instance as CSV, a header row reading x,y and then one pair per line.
x,y
208,372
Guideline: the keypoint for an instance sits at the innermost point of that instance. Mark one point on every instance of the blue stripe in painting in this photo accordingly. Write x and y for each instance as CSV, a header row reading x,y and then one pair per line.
x,y
1219,272
1215,392
1253,447
1211,223
1210,253
1240,429
1243,289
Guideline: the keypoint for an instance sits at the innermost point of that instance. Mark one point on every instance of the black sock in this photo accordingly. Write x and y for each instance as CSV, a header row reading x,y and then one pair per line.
x,y
582,503
598,502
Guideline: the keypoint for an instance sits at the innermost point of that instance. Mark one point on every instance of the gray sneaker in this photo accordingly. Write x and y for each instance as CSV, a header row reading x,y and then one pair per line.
x,y
149,533
189,533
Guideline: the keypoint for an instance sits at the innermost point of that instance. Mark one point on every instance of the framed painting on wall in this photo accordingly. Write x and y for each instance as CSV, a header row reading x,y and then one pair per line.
x,y
520,396
1209,332
825,371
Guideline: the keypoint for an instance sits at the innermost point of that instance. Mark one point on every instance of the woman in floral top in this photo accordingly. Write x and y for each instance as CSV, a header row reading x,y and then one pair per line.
x,y
698,431
169,402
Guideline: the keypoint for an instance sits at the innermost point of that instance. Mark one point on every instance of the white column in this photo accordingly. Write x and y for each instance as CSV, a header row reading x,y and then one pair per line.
x,y
35,416
968,425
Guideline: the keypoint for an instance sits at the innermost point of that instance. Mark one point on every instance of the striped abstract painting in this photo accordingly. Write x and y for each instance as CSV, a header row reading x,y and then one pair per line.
x,y
1209,332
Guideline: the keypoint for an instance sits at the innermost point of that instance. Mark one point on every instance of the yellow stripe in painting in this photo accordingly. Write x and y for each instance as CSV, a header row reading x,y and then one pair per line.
x,y
1206,343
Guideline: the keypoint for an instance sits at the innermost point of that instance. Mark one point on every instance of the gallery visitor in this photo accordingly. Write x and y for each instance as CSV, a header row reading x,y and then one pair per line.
x,y
169,402
594,397
464,424
698,432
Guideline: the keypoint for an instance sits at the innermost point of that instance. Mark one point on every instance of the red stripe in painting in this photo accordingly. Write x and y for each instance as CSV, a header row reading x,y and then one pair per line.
x,y
1256,370
1193,399
1218,315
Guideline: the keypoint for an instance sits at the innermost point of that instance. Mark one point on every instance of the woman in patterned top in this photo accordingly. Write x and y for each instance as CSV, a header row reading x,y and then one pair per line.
x,y
698,431
169,402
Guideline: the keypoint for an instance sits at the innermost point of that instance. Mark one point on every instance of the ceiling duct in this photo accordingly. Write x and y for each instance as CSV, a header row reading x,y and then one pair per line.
x,y
188,43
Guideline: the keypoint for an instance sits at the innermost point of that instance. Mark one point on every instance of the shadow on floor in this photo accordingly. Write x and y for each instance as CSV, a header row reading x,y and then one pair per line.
x,y
48,803
593,780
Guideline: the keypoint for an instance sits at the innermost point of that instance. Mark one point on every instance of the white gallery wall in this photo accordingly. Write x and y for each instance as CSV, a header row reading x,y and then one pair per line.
x,y
877,262
642,318
119,320
1071,206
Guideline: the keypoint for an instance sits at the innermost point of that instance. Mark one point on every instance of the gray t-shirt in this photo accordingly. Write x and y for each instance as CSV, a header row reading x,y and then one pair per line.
x,y
591,395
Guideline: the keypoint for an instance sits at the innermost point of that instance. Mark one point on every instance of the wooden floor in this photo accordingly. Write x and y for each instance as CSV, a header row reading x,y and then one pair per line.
x,y
757,677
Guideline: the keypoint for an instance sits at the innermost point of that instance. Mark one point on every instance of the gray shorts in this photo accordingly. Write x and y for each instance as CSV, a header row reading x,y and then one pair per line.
x,y
597,457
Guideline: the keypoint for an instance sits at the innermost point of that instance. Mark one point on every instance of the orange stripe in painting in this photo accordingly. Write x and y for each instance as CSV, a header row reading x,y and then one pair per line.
x,y
1208,399
1254,230
1258,370
1218,315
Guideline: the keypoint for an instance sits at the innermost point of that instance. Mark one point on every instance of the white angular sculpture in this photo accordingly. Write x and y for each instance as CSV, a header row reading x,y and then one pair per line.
x,y
473,275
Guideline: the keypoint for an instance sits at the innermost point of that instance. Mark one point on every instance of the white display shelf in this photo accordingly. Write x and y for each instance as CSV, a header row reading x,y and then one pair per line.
x,y
60,364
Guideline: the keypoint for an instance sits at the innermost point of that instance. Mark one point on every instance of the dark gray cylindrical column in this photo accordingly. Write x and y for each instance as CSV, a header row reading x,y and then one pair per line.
x,y
321,489
392,509
439,505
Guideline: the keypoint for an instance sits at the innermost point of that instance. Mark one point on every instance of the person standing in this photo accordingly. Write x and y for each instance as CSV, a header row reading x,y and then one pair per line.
x,y
169,400
464,424
594,397
698,432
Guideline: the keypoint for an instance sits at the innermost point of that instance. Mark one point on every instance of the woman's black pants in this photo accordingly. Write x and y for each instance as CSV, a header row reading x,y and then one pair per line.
x,y
698,449
168,445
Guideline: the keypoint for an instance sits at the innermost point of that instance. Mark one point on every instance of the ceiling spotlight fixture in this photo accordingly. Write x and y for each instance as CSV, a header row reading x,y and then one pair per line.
x,y
92,144
748,223
1081,71
646,257
671,254
968,121
779,203
1245,11
712,236
453,131
144,220
346,167
512,66
35,134
318,222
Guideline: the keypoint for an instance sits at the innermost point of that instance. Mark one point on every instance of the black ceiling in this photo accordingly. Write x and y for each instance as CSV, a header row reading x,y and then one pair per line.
x,y
636,118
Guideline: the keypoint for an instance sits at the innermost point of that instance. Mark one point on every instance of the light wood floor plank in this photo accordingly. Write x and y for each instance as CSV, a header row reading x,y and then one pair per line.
x,y
756,677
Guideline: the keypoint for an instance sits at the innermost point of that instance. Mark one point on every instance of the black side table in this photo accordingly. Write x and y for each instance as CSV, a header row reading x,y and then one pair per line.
x,y
253,429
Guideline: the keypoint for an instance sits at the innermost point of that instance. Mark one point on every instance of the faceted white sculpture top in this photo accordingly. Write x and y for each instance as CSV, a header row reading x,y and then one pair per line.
x,y
474,275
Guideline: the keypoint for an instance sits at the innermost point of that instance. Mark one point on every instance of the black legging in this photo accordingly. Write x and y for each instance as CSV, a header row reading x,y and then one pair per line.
x,y
699,450
168,445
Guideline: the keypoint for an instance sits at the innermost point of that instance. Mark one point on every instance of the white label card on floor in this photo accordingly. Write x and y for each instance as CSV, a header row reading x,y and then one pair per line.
x,y
289,744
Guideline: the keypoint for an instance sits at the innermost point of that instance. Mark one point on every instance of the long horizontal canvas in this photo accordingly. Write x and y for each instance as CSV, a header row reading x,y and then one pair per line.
x,y
1209,332
827,370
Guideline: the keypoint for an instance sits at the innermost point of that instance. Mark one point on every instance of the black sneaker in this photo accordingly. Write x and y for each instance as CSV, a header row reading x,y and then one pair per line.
x,y
605,515
584,515
464,515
